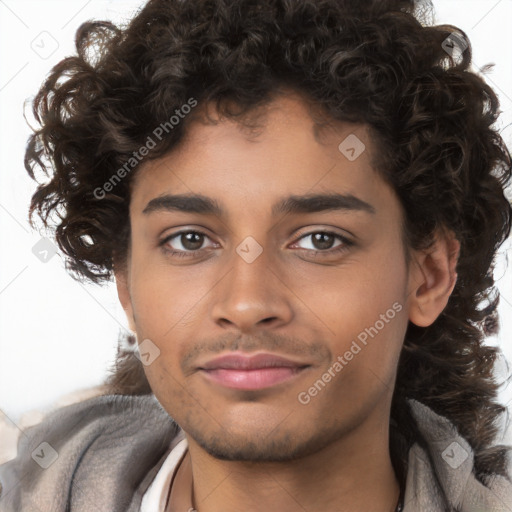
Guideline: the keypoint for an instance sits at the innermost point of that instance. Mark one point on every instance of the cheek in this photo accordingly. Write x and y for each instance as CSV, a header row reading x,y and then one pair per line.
x,y
169,390
365,311
355,295
365,357
164,298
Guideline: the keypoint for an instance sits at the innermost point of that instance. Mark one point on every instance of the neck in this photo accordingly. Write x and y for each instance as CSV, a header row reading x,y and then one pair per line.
x,y
352,474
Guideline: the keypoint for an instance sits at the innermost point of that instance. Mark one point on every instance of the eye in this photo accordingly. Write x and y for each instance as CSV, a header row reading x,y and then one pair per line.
x,y
324,242
184,242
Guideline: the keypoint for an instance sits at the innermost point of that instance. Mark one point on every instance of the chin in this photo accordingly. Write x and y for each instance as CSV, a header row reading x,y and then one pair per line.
x,y
249,446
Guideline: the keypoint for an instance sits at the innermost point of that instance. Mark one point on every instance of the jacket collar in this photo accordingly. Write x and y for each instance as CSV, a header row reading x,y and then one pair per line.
x,y
442,477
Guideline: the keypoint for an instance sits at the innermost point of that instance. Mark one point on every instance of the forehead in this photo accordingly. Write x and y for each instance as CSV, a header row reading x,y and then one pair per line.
x,y
284,149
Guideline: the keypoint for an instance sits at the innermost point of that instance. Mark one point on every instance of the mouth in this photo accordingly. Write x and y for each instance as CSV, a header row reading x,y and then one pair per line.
x,y
260,371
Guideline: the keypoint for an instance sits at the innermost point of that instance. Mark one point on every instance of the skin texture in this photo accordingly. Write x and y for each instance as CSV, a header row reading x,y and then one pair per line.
x,y
264,449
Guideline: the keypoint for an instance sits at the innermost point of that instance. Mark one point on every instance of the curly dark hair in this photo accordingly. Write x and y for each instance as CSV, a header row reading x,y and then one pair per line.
x,y
377,62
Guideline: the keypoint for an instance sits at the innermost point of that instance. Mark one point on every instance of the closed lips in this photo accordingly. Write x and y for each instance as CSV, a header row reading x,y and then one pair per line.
x,y
259,361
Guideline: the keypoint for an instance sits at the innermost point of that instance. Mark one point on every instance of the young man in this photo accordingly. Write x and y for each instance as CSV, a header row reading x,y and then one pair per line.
x,y
300,203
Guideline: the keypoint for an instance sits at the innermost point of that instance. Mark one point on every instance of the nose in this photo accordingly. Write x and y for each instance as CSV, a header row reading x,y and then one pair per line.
x,y
252,296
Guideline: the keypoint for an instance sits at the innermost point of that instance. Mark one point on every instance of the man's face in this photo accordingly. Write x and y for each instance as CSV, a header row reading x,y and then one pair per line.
x,y
251,281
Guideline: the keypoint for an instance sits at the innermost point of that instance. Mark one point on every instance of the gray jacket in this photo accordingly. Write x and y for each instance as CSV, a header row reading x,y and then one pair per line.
x,y
102,454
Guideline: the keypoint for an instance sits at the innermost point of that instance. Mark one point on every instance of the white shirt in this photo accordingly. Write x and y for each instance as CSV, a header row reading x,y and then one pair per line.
x,y
155,497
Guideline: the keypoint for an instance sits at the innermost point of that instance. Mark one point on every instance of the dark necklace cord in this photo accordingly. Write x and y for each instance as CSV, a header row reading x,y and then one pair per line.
x,y
400,505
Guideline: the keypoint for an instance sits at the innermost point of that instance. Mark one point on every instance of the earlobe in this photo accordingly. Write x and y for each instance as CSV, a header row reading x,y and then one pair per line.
x,y
433,277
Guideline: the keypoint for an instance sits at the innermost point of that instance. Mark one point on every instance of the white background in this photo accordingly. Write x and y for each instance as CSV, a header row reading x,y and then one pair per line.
x,y
57,335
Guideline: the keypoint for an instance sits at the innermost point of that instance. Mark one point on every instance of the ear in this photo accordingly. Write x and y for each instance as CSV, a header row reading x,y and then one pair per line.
x,y
432,278
123,292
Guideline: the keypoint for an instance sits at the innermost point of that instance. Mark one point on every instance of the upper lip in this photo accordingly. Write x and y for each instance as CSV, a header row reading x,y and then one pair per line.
x,y
238,361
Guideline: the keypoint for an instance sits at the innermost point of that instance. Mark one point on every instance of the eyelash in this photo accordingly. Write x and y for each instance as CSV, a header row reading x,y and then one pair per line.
x,y
345,245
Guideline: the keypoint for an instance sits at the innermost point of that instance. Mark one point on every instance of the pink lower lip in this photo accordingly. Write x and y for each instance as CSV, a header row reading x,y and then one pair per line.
x,y
252,379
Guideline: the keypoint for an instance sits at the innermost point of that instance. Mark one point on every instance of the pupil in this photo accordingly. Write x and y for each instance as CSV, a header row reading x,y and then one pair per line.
x,y
192,241
319,240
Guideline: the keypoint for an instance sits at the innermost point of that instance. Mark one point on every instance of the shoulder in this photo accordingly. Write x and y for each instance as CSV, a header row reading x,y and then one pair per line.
x,y
442,471
100,449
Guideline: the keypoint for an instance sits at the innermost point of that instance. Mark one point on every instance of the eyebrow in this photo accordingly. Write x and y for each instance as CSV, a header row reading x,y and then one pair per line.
x,y
311,203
